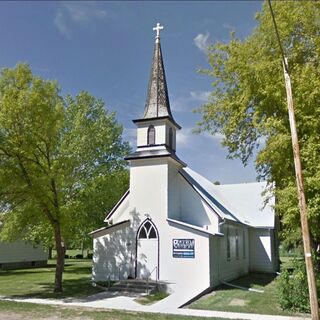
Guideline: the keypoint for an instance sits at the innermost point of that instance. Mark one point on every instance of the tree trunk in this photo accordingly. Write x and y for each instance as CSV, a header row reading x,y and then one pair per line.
x,y
82,247
50,252
60,258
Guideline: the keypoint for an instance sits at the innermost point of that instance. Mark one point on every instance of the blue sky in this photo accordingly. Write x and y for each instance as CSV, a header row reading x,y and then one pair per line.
x,y
106,48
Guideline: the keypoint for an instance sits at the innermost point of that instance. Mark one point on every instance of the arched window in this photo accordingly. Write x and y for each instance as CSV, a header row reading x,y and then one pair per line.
x,y
147,231
171,138
151,135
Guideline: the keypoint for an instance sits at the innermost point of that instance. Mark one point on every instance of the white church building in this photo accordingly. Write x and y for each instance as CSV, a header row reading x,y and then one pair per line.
x,y
173,224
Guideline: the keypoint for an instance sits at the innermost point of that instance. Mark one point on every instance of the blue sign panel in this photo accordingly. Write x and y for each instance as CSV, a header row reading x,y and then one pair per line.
x,y
183,248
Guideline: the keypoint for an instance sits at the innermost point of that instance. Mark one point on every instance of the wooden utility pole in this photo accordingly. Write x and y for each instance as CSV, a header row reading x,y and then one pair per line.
x,y
300,185
302,200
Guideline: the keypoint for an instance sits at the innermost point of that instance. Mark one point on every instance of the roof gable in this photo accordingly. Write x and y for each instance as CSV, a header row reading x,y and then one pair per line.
x,y
237,202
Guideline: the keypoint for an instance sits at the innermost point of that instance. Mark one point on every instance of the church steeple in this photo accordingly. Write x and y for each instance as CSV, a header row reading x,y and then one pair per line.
x,y
156,132
157,103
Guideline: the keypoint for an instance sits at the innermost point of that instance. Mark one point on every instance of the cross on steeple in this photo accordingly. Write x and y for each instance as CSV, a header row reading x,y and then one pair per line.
x,y
157,28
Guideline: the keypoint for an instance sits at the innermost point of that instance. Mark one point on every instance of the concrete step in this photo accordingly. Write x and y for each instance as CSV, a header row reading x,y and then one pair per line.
x,y
138,282
127,290
136,286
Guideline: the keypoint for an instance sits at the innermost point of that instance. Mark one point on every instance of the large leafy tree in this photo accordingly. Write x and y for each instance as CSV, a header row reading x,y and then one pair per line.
x,y
248,105
61,161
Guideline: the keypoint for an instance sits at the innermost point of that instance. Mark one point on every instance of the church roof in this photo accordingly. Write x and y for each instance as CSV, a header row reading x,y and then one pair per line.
x,y
157,103
242,203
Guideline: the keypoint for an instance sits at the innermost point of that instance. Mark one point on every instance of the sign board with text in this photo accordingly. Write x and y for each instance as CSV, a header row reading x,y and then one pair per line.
x,y
183,248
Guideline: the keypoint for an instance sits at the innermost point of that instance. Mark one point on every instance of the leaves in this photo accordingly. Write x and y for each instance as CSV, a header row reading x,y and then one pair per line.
x,y
248,103
61,159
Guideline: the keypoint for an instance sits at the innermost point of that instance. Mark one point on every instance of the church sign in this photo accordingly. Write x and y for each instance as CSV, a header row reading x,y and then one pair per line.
x,y
183,248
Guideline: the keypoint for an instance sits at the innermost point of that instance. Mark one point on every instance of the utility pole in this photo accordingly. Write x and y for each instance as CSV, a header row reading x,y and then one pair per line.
x,y
300,184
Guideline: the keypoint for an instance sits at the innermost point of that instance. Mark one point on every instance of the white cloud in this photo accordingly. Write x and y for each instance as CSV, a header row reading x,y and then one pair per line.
x,y
183,137
202,42
202,96
77,12
179,104
217,137
84,11
229,26
186,138
59,22
189,102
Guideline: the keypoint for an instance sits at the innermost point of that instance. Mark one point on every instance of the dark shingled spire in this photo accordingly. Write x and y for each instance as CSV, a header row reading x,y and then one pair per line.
x,y
157,104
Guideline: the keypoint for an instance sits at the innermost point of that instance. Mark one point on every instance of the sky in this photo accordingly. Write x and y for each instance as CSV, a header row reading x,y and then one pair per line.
x,y
105,47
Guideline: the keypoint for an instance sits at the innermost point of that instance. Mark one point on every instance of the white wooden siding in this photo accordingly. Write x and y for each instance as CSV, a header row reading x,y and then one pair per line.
x,y
234,267
260,251
20,251
114,255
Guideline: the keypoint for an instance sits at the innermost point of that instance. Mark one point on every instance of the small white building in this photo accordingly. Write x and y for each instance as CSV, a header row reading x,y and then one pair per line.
x,y
21,254
173,224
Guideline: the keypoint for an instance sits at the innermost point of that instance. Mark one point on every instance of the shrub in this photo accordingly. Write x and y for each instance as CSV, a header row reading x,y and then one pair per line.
x,y
292,288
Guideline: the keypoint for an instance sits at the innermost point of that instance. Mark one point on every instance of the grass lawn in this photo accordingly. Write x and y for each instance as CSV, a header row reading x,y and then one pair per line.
x,y
24,311
72,253
152,298
225,298
38,282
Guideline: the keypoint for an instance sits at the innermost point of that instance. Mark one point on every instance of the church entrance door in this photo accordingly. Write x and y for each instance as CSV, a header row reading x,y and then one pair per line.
x,y
147,251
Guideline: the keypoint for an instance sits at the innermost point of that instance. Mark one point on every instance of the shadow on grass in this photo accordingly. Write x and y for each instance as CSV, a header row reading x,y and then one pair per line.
x,y
69,267
250,281
72,288
26,271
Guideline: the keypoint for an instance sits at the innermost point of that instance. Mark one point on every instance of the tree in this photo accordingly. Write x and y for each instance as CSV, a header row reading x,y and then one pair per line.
x,y
248,106
60,161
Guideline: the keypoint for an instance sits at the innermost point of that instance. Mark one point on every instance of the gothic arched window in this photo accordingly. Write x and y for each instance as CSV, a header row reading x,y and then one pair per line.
x,y
151,135
147,231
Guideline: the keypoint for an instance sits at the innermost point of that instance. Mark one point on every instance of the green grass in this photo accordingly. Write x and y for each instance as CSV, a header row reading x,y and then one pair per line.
x,y
287,262
152,298
39,282
72,253
23,311
226,298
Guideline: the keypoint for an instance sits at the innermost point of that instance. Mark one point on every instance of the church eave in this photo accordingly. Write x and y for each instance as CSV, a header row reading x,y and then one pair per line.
x,y
144,155
156,119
